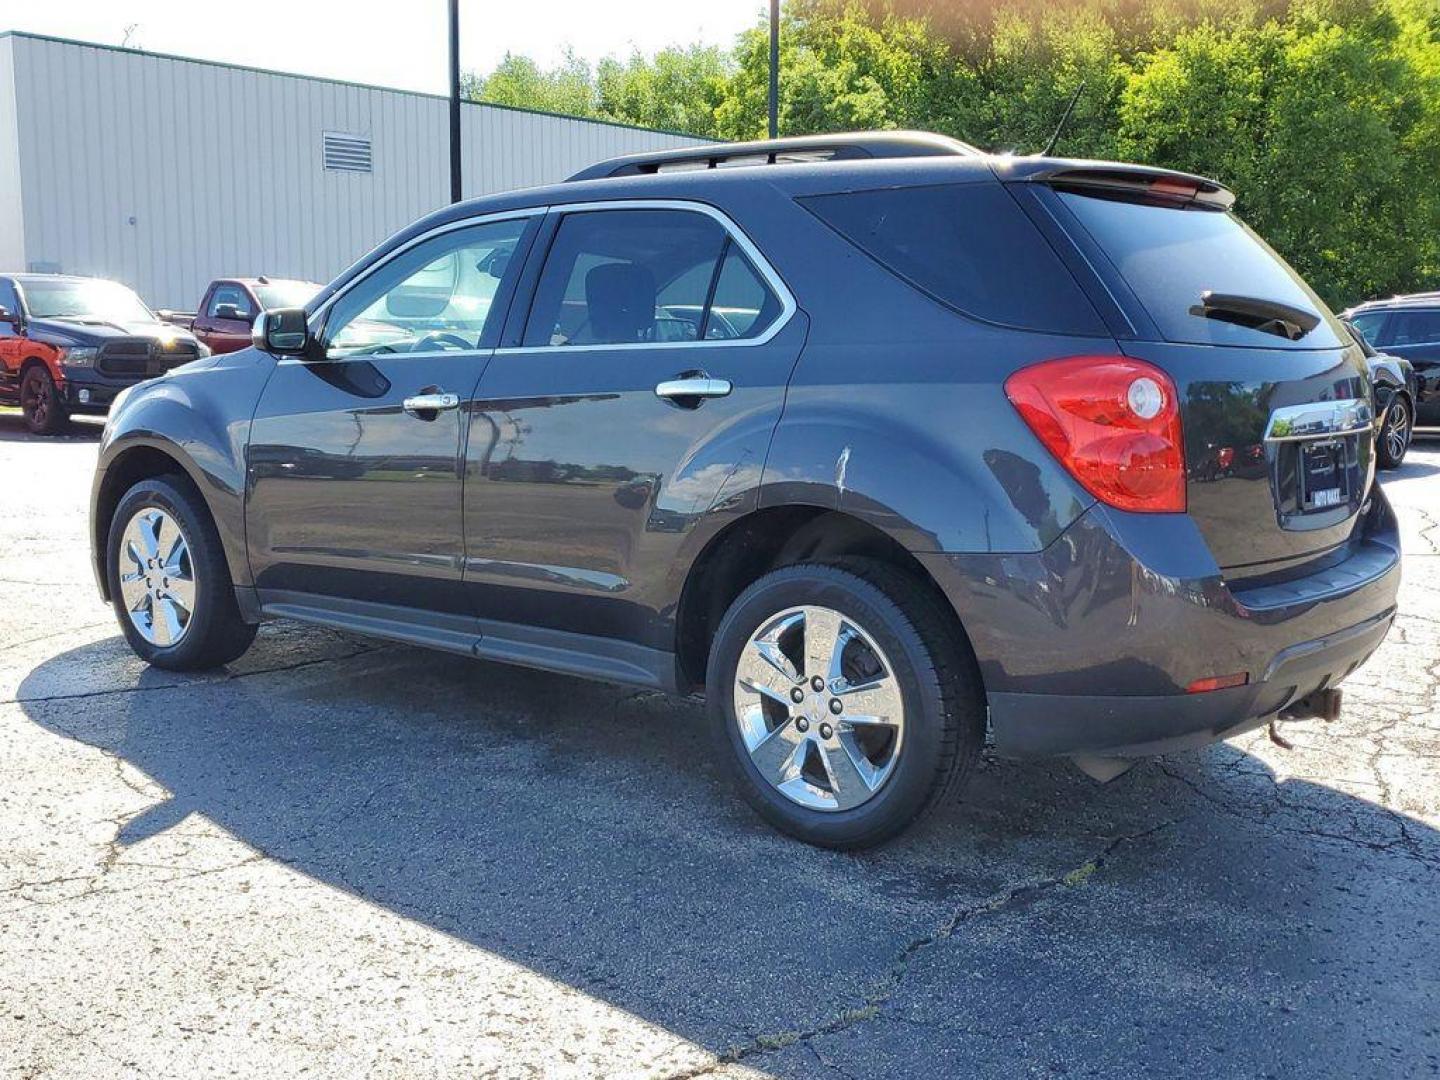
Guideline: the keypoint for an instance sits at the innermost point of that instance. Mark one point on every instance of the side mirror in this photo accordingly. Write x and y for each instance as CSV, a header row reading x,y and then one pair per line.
x,y
8,316
230,311
282,332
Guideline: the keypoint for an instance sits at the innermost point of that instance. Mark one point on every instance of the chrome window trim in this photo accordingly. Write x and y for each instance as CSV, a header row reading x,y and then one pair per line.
x,y
768,275
762,266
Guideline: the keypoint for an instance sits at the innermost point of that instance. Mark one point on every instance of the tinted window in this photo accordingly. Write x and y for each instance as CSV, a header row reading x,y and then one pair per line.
x,y
969,246
620,277
435,297
741,305
1369,323
1169,256
1415,328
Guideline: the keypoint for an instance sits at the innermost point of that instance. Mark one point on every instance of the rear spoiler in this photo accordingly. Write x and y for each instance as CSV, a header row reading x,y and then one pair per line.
x,y
1123,181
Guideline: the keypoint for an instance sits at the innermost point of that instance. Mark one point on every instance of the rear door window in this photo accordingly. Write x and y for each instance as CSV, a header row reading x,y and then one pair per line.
x,y
969,246
1415,327
646,276
1169,256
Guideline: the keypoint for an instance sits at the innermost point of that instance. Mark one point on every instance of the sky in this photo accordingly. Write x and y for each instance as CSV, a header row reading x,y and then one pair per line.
x,y
400,43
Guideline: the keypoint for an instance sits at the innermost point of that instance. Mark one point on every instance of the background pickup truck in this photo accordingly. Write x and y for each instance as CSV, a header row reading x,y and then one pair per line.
x,y
70,344
230,305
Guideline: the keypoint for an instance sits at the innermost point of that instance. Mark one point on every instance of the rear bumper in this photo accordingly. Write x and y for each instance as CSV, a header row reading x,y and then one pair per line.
x,y
1047,725
1088,647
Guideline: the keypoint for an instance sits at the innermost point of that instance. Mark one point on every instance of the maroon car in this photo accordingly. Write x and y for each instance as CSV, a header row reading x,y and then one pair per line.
x,y
225,316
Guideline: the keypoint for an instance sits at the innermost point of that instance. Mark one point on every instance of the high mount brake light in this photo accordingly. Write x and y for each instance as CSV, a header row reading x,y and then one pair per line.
x,y
1113,422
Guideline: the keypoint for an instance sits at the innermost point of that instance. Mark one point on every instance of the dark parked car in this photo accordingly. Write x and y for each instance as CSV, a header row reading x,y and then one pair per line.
x,y
874,438
71,344
1408,327
1395,386
230,305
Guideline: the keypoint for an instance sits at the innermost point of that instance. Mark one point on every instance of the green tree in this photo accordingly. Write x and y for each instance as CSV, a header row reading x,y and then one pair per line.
x,y
567,88
676,90
1323,115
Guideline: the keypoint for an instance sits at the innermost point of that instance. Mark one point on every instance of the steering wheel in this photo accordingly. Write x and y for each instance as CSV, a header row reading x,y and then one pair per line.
x,y
438,338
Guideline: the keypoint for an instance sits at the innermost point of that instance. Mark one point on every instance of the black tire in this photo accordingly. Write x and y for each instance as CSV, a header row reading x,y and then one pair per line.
x,y
40,402
1398,429
939,682
215,634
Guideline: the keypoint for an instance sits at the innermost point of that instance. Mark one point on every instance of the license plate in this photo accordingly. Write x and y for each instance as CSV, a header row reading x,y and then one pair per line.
x,y
1322,476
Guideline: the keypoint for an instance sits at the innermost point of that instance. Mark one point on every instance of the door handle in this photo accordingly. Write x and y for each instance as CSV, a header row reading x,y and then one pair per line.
x,y
430,403
693,387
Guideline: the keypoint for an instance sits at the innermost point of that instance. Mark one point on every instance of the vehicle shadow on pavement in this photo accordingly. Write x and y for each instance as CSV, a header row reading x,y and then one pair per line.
x,y
1194,910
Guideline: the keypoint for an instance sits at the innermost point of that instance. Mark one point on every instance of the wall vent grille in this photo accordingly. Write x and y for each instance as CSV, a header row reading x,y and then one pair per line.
x,y
346,153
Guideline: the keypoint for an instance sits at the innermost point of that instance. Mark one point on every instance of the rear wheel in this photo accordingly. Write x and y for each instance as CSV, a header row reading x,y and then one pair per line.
x,y
1395,433
40,402
169,582
844,701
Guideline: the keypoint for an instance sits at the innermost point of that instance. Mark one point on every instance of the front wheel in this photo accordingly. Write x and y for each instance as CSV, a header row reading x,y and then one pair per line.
x,y
169,581
844,700
1395,433
40,402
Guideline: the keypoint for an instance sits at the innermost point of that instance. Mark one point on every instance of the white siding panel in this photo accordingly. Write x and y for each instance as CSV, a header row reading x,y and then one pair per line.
x,y
164,173
12,214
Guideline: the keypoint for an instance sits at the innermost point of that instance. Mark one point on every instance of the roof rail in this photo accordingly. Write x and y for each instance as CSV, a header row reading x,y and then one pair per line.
x,y
843,147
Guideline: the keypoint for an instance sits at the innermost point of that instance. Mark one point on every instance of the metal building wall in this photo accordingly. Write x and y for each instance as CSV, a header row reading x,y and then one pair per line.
x,y
12,220
164,173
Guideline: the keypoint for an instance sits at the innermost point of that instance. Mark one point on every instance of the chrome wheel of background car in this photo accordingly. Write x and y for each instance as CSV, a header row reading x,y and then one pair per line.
x,y
819,708
1397,429
157,579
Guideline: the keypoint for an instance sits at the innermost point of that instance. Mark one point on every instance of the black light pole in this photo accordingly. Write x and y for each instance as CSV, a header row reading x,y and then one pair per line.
x,y
774,69
455,193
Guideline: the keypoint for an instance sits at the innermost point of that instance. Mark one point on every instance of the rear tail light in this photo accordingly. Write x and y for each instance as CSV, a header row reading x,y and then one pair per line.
x,y
1113,422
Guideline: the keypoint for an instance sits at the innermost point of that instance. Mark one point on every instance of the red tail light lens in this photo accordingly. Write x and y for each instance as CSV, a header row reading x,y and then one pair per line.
x,y
1113,422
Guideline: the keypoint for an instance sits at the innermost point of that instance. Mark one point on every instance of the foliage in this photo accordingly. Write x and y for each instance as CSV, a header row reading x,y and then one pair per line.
x,y
1323,115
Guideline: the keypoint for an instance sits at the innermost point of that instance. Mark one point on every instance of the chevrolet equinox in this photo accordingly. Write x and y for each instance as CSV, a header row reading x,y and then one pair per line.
x,y
880,440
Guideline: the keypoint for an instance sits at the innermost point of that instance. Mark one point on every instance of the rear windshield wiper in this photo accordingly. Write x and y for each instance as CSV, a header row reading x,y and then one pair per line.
x,y
1257,313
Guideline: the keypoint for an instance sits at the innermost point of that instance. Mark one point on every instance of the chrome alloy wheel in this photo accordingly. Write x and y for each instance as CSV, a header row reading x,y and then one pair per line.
x,y
1397,429
157,579
819,708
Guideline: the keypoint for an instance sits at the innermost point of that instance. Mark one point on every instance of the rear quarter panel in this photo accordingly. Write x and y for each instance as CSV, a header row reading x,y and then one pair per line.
x,y
897,414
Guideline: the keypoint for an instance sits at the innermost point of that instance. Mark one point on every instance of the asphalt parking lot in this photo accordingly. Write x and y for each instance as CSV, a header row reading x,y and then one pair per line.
x,y
342,857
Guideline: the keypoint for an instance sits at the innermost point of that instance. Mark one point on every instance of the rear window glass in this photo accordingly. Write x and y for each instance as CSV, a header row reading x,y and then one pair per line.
x,y
1170,256
970,246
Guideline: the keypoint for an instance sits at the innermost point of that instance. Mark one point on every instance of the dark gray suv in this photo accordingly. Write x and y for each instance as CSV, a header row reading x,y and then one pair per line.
x,y
876,438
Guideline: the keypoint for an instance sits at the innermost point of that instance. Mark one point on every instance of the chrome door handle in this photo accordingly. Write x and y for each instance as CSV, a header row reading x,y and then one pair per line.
x,y
693,388
430,403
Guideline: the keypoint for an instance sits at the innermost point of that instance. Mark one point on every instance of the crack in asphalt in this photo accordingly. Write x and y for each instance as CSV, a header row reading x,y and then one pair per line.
x,y
228,677
885,988
52,634
1405,848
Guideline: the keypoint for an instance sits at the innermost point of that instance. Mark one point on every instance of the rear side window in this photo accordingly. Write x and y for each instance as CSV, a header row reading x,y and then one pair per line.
x,y
640,277
969,246
1415,328
1170,256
